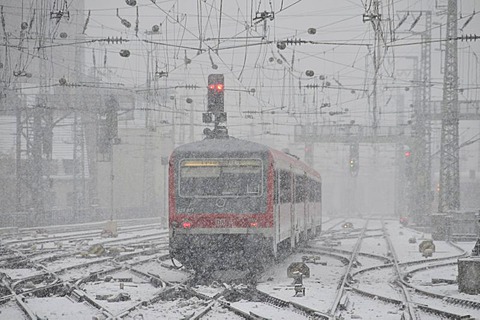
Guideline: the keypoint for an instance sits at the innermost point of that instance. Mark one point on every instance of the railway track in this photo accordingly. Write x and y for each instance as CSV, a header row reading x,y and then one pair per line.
x,y
133,278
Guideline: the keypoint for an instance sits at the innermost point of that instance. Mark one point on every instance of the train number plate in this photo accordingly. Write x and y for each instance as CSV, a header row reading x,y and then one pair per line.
x,y
221,223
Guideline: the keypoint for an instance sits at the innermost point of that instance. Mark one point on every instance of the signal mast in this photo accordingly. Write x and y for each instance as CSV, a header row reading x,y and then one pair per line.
x,y
215,108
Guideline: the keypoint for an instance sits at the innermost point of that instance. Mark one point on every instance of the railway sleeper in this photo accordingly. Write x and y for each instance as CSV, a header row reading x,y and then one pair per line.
x,y
259,296
344,302
444,314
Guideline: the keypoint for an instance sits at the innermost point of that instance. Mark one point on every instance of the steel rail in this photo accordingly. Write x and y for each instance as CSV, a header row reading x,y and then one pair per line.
x,y
347,275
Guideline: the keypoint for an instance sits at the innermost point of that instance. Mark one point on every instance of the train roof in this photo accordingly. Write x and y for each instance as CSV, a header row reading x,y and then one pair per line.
x,y
238,146
227,145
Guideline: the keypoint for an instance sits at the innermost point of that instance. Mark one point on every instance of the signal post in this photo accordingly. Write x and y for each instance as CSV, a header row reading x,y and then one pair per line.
x,y
215,108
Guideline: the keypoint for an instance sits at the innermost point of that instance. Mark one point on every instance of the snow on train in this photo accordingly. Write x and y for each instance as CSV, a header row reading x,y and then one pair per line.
x,y
235,203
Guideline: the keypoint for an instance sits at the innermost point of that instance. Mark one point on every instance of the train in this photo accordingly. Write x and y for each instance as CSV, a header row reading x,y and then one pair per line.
x,y
235,204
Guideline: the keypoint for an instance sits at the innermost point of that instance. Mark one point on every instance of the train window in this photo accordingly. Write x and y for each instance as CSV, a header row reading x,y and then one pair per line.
x,y
221,177
276,176
299,188
318,192
285,187
311,185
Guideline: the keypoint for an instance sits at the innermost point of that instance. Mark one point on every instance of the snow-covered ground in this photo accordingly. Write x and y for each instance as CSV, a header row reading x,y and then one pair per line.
x,y
371,274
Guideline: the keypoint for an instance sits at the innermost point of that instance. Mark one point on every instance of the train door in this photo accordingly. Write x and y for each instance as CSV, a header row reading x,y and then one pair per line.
x,y
276,208
306,209
293,217
301,210
284,205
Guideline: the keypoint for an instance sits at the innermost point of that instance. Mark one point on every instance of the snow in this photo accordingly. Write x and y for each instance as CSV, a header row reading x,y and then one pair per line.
x,y
60,308
10,310
321,286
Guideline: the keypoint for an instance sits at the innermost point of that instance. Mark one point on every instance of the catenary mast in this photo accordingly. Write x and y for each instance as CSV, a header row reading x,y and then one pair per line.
x,y
449,197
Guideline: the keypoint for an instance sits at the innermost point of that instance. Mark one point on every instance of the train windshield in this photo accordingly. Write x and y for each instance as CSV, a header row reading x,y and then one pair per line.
x,y
221,178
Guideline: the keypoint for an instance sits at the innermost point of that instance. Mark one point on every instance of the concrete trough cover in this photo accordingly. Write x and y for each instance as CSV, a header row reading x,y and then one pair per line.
x,y
469,275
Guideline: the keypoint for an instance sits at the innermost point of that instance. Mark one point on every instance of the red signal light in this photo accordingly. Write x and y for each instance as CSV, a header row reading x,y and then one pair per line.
x,y
187,225
218,87
253,224
408,154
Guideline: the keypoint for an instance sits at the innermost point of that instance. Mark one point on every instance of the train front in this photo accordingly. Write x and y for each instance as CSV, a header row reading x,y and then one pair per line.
x,y
220,204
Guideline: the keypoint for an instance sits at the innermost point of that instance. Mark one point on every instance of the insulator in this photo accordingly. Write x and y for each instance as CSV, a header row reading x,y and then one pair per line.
x,y
155,28
126,23
62,81
63,35
321,77
125,53
309,73
312,30
352,91
214,66
131,2
189,100
327,84
281,45
24,25
271,59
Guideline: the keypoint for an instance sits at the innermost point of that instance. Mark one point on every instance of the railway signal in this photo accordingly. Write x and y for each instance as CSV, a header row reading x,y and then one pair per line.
x,y
215,107
215,95
354,161
408,163
309,154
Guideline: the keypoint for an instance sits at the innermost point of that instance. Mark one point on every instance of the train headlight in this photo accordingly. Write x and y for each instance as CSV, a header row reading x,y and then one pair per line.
x,y
187,225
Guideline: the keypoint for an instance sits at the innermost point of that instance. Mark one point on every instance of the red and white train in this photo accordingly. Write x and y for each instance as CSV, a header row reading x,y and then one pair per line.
x,y
234,203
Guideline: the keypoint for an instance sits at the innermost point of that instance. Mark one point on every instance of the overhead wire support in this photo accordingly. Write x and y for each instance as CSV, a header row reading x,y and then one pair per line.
x,y
449,193
468,21
373,15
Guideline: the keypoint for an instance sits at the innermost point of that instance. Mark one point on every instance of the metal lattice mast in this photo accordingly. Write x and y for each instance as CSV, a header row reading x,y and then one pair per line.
x,y
78,163
421,126
414,193
79,184
375,18
449,197
149,145
37,128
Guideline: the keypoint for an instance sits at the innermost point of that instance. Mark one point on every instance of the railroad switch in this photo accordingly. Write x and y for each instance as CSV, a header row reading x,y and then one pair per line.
x,y
298,284
447,281
122,296
313,259
332,243
123,285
